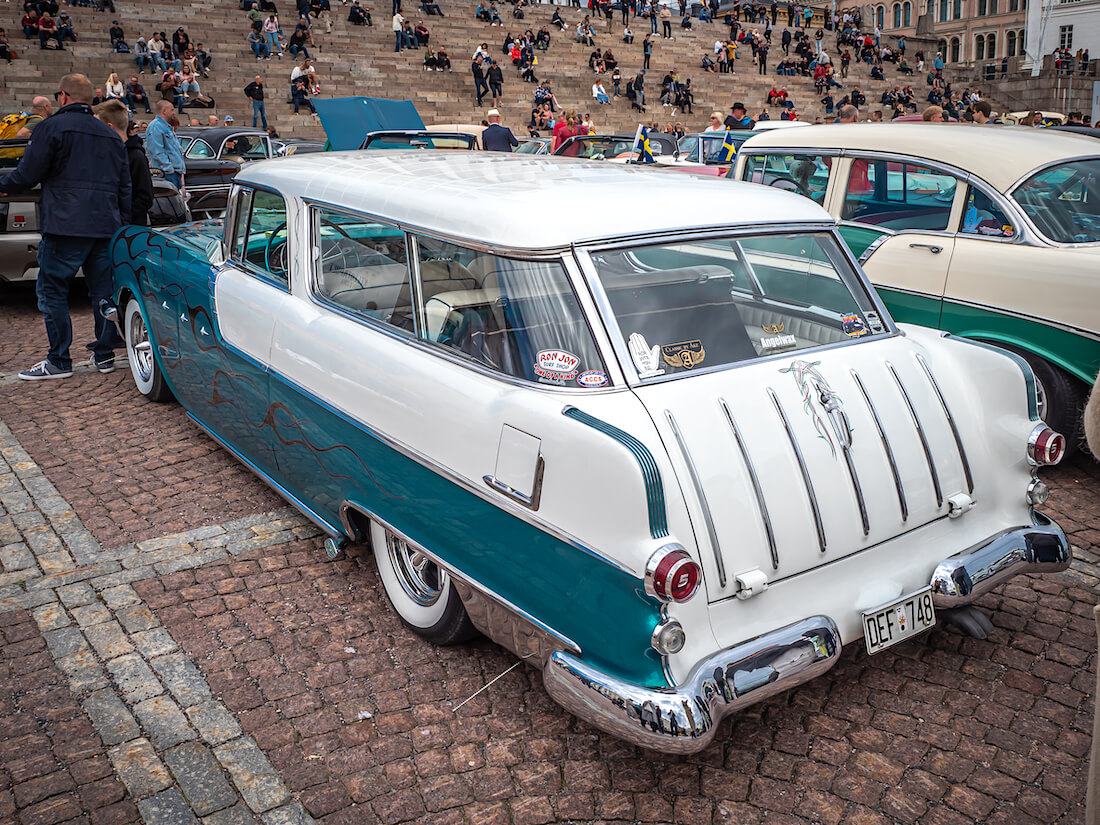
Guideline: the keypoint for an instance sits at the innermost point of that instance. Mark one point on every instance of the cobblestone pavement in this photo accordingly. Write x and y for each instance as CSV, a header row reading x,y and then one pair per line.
x,y
174,650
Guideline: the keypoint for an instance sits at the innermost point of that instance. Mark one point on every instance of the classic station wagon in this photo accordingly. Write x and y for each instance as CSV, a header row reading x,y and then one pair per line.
x,y
991,233
674,464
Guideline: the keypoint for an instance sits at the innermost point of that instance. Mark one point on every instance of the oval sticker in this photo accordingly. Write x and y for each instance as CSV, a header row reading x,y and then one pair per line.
x,y
592,378
556,363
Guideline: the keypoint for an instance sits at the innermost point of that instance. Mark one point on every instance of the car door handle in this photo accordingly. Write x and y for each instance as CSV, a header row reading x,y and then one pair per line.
x,y
931,247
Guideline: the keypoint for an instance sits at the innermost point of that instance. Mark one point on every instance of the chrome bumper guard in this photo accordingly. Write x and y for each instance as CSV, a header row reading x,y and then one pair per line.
x,y
962,578
685,718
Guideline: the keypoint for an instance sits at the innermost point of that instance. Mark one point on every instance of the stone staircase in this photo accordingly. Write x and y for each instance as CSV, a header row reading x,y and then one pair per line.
x,y
356,60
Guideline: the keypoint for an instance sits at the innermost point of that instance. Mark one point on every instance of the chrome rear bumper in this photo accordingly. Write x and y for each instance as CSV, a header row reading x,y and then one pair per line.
x,y
685,718
962,578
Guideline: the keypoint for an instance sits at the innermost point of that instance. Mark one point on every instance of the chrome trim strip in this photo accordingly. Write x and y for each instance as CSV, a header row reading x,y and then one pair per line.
x,y
708,518
346,505
293,500
847,450
1085,333
760,502
805,472
951,422
920,432
885,446
684,719
963,577
531,502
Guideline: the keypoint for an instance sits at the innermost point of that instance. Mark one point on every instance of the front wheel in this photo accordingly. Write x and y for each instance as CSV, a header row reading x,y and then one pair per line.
x,y
420,590
139,352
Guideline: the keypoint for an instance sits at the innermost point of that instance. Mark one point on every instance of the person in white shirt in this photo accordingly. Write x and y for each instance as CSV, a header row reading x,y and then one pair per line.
x,y
599,93
715,123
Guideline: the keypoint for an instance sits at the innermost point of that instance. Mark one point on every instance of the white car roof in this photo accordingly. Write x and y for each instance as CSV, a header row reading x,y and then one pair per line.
x,y
999,155
524,201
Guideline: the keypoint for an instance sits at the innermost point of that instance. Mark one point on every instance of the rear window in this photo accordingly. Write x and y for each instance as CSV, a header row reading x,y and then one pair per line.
x,y
700,304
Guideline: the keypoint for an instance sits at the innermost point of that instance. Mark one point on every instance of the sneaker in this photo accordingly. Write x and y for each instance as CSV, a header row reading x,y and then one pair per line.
x,y
105,366
44,370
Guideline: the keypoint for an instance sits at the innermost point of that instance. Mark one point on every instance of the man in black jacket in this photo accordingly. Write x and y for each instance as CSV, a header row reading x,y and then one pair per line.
x,y
86,191
115,115
254,91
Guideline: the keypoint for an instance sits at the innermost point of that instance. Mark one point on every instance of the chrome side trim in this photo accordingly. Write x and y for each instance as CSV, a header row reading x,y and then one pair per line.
x,y
920,432
951,421
886,447
760,502
499,619
708,519
805,472
532,501
684,719
963,577
856,488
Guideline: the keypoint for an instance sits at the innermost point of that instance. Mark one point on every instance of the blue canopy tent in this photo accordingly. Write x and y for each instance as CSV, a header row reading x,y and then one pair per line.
x,y
347,120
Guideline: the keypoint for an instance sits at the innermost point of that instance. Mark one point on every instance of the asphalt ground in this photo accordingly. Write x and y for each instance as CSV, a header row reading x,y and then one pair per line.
x,y
174,649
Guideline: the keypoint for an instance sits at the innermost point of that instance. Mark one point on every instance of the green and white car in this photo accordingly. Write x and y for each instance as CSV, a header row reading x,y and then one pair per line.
x,y
990,233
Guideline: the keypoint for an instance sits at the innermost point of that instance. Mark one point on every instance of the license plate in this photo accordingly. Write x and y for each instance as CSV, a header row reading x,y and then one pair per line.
x,y
886,626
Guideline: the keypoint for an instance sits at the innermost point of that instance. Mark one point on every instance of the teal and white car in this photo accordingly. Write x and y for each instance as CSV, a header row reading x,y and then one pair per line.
x,y
675,458
990,233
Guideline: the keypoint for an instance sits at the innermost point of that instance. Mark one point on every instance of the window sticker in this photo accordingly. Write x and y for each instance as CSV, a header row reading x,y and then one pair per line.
x,y
686,354
592,378
646,359
775,339
853,326
873,321
556,366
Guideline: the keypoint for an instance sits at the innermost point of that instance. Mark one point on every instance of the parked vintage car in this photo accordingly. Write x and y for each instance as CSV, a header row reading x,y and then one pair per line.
x,y
991,233
534,146
675,459
19,218
213,156
620,148
403,139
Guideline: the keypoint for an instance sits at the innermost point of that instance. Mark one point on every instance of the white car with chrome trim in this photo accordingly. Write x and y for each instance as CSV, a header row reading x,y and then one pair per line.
x,y
675,463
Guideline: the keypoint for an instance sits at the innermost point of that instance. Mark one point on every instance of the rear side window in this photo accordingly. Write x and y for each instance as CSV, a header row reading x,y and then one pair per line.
x,y
982,216
808,175
517,317
899,196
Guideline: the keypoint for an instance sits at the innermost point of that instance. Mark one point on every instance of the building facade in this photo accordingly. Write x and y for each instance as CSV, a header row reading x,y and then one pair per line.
x,y
968,31
1062,24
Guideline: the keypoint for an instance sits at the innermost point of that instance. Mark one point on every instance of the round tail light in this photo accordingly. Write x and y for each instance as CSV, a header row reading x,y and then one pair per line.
x,y
1045,446
672,575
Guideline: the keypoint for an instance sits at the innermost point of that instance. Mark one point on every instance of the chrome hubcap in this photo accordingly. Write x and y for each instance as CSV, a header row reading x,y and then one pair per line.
x,y
140,347
419,576
1041,398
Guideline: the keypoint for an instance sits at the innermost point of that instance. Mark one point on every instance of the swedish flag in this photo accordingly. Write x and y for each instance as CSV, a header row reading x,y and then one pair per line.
x,y
728,150
641,146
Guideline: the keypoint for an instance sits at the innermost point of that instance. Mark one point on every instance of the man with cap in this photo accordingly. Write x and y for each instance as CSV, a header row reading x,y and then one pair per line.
x,y
497,138
228,119
737,119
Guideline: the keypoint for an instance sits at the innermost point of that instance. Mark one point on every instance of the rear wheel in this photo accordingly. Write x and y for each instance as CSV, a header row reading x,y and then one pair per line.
x,y
420,590
139,352
1061,398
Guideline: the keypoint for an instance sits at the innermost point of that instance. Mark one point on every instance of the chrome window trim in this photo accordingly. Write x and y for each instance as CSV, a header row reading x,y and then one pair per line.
x,y
920,432
761,503
902,503
611,323
700,494
1011,194
806,481
405,337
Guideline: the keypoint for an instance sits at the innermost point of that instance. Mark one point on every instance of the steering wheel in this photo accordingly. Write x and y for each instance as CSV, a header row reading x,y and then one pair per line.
x,y
275,254
332,248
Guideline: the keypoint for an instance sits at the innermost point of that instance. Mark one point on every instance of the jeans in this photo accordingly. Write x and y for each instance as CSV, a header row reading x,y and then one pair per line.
x,y
295,49
59,258
189,86
398,41
259,49
133,102
259,111
174,178
666,28
143,60
302,100
481,88
653,25
272,41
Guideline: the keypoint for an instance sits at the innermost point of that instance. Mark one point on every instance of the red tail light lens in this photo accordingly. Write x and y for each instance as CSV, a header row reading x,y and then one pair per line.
x,y
672,575
1045,446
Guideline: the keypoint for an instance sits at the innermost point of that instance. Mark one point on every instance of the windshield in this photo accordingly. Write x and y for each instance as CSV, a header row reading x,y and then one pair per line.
x,y
712,148
418,141
1063,201
604,148
708,303
530,147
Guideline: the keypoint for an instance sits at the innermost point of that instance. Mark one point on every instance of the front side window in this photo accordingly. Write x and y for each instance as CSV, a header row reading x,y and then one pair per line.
x,y
1063,202
808,175
199,149
261,236
692,305
982,216
245,147
514,316
899,196
361,266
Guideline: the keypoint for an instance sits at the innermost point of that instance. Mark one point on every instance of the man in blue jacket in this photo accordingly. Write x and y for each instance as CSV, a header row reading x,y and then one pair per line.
x,y
85,179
